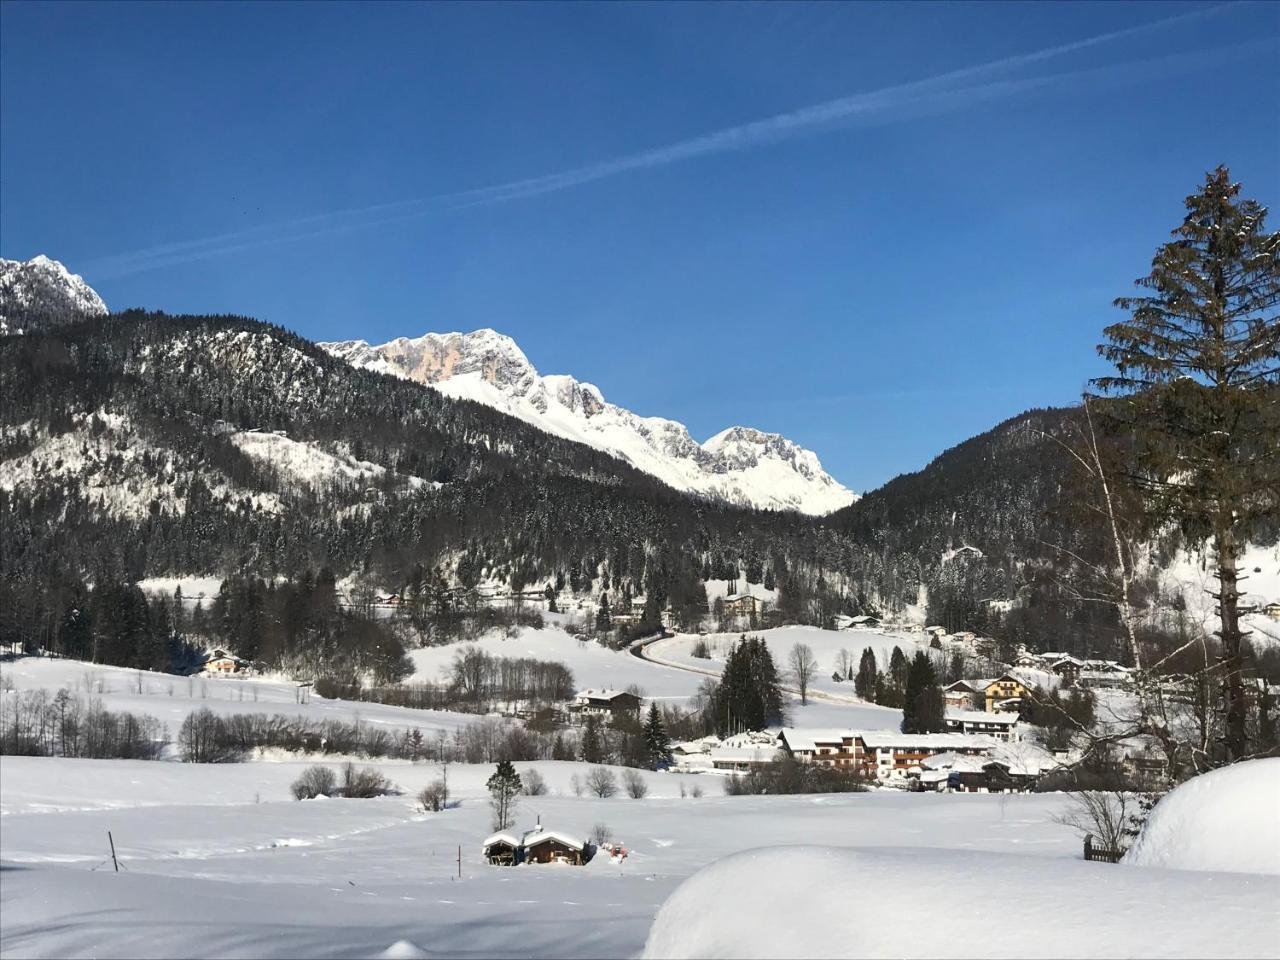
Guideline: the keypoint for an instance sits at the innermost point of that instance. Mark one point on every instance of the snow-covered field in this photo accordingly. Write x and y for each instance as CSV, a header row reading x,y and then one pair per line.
x,y
219,861
210,872
593,665
672,674
170,698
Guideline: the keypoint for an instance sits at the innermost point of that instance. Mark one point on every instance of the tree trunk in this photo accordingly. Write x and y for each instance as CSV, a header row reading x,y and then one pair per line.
x,y
1236,737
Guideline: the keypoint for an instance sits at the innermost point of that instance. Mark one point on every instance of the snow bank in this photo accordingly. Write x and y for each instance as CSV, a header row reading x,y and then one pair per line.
x,y
1228,819
893,902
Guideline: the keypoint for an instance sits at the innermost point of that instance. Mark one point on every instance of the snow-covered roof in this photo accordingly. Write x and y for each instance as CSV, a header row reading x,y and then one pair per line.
x,y
808,738
602,694
1020,759
219,654
542,835
864,618
924,741
980,716
690,747
740,596
738,754
502,836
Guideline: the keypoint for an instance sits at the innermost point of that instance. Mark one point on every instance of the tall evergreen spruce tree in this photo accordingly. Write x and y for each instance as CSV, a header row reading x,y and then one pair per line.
x,y
749,695
657,743
504,787
1196,387
865,682
922,704
591,748
604,621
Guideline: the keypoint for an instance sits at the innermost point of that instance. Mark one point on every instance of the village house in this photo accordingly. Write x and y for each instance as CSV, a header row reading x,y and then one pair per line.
x,y
1000,726
739,753
830,748
1272,610
1103,673
890,756
1002,690
221,663
1067,668
1011,768
742,605
936,631
866,621
884,755
961,695
741,759
605,703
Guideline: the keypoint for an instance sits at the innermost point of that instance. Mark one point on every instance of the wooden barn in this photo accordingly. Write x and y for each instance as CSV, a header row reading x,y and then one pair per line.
x,y
539,845
503,849
551,846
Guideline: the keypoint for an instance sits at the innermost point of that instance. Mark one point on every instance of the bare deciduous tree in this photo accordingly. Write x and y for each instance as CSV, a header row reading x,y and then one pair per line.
x,y
634,784
803,665
602,782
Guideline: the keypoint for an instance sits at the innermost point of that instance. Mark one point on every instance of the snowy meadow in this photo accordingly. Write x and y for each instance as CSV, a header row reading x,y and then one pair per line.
x,y
218,860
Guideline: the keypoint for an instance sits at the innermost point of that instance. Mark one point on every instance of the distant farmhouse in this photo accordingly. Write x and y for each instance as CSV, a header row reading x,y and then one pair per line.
x,y
742,605
605,703
220,663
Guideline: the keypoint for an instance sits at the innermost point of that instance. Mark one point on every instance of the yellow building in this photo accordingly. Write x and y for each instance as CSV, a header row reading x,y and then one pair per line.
x,y
1001,689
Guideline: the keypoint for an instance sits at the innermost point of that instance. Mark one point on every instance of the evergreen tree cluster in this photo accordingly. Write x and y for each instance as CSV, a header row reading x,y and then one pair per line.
x,y
748,695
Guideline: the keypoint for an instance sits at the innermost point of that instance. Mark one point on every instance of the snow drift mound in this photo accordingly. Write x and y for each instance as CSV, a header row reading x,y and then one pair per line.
x,y
892,902
1228,819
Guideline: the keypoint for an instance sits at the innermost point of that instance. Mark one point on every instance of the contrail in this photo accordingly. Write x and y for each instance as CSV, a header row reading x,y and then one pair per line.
x,y
931,94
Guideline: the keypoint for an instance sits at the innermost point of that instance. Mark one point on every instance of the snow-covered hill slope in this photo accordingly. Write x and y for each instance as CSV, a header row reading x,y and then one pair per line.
x,y
40,291
740,465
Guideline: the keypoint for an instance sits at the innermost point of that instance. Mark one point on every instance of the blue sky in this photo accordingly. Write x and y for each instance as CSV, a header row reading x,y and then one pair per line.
x,y
876,229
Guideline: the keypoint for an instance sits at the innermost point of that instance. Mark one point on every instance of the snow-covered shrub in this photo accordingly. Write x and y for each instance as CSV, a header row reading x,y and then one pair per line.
x,y
634,784
601,782
700,650
601,834
363,782
314,782
434,797
202,739
532,783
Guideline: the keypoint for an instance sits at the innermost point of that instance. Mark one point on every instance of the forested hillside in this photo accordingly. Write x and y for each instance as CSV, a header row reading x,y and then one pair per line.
x,y
143,444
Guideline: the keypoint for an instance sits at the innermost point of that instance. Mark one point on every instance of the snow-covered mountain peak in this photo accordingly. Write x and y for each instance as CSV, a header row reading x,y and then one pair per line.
x,y
41,293
739,465
436,357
